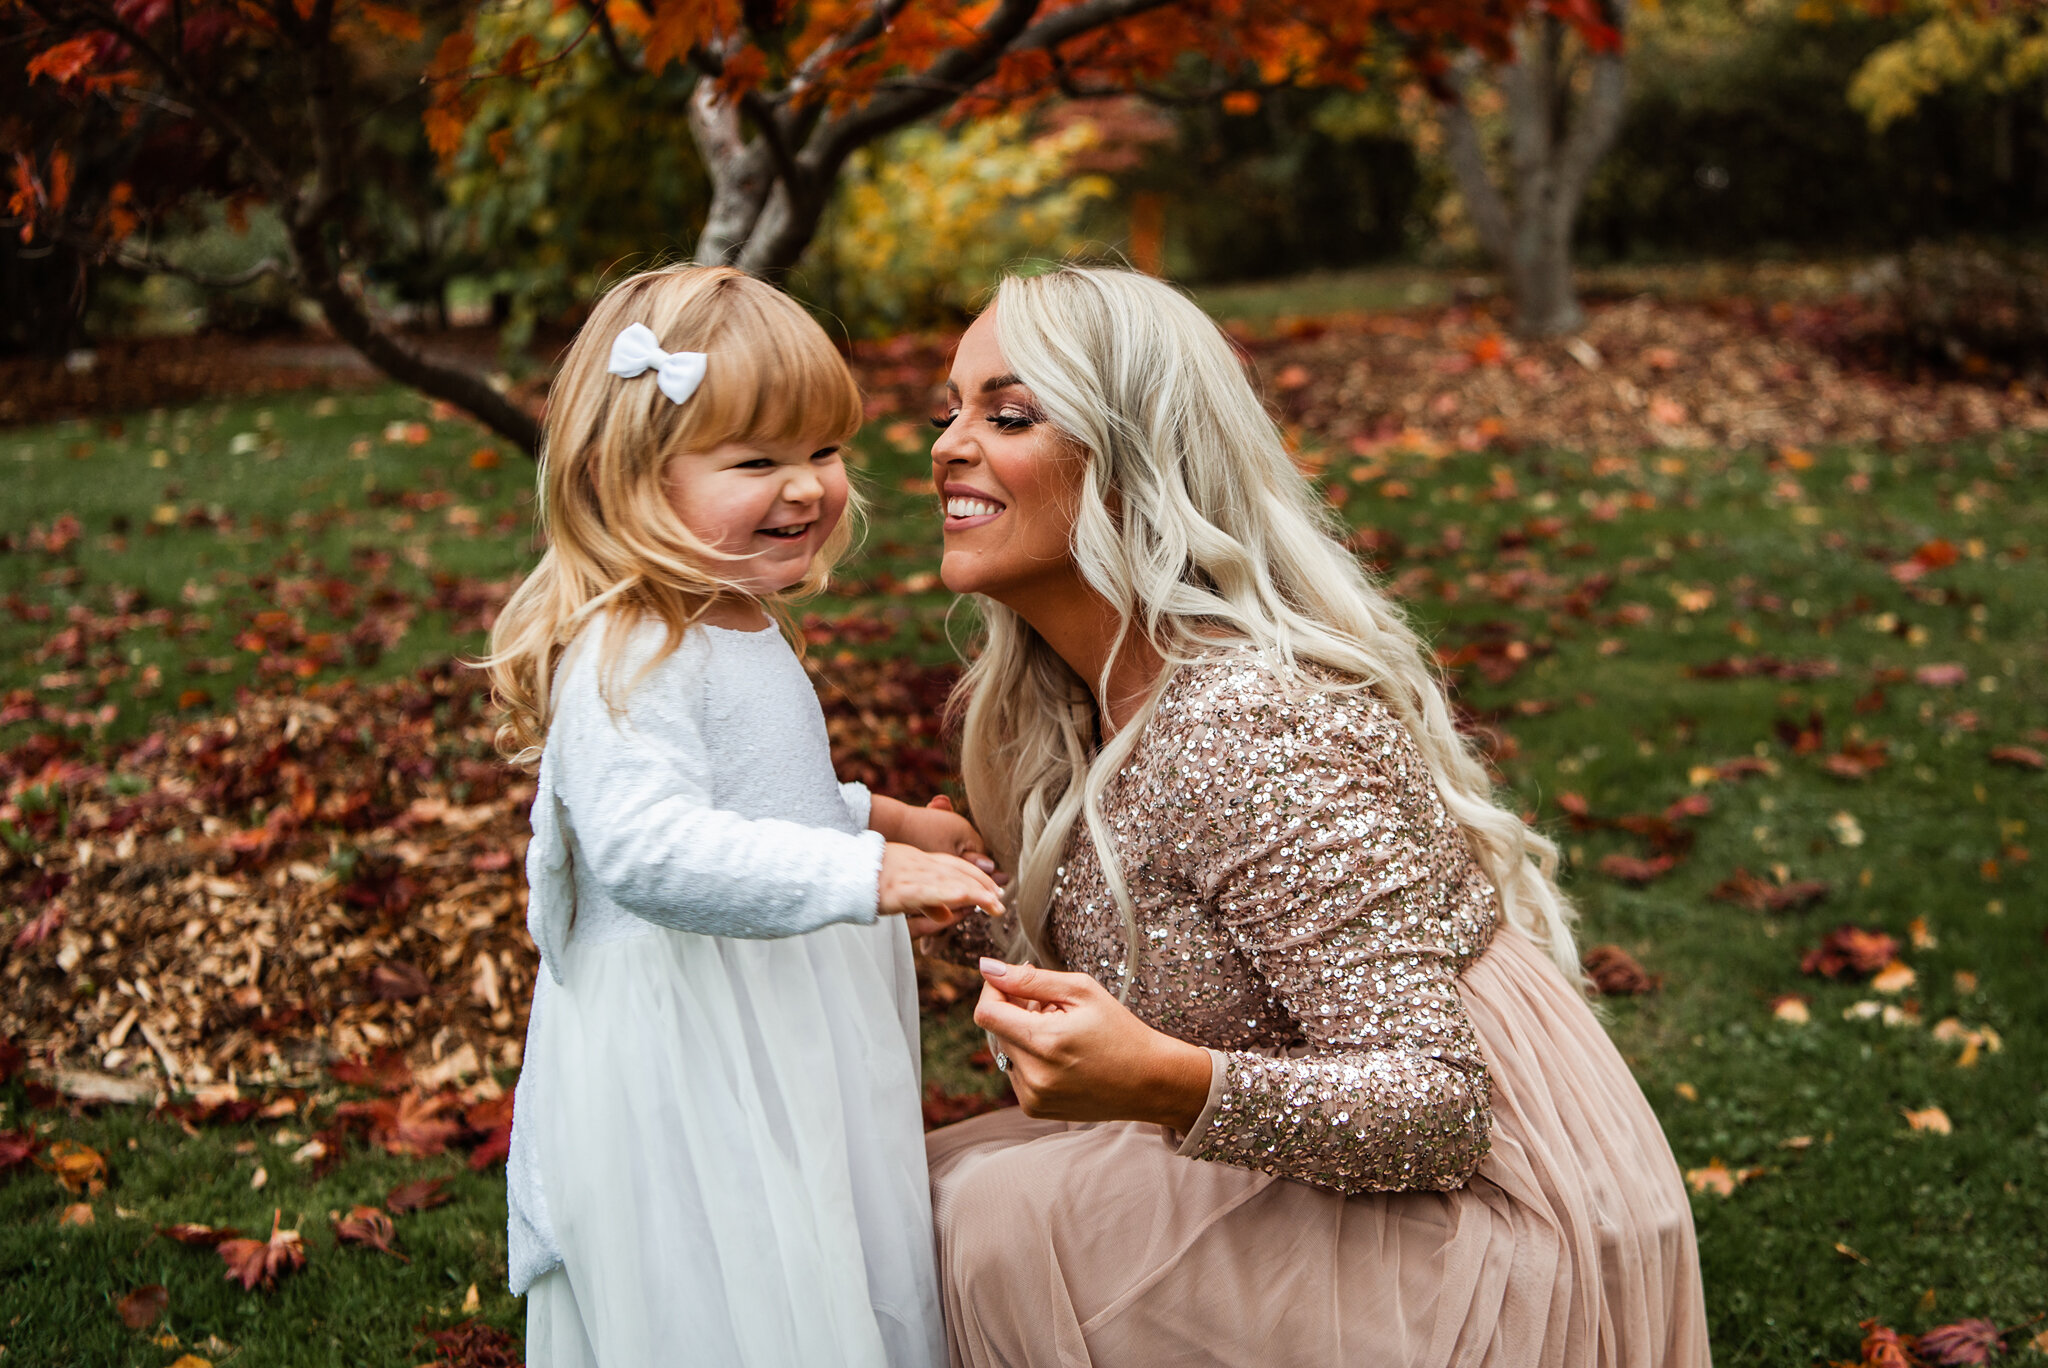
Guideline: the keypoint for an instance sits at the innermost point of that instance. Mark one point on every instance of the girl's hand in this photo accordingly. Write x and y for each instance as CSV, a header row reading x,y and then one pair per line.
x,y
1077,1054
935,827
932,890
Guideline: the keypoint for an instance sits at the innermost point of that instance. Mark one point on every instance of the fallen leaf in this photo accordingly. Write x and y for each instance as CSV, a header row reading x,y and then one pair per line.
x,y
421,1194
1634,869
1791,1009
1882,1346
397,981
1796,1142
1895,977
1718,1178
474,1344
1918,933
385,1071
263,1262
2019,757
1943,676
77,1214
1615,972
191,1361
77,1166
1745,889
1966,1341
205,1236
1849,952
142,1306
409,1124
369,1227
1851,1254
18,1147
1931,1119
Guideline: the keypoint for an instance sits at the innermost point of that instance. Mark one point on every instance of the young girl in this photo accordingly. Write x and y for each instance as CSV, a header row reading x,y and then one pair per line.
x,y
718,1154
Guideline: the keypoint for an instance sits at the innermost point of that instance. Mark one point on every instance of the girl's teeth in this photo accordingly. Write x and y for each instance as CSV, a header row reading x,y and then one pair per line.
x,y
970,508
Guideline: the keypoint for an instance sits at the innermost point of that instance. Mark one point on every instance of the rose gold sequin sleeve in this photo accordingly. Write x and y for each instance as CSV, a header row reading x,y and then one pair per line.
x,y
967,940
1316,836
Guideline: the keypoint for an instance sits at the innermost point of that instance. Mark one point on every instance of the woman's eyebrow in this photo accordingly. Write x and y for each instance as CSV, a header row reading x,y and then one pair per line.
x,y
994,383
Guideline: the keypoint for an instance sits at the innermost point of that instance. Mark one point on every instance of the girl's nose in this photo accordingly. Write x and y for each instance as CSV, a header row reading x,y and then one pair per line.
x,y
803,487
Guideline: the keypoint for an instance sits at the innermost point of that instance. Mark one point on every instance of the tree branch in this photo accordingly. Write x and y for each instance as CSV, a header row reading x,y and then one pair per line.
x,y
153,264
609,36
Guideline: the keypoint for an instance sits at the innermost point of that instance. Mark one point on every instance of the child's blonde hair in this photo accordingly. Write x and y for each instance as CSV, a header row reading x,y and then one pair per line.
x,y
615,545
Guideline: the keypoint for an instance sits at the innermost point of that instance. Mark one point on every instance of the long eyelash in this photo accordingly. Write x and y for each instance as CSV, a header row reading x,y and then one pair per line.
x,y
1011,422
943,423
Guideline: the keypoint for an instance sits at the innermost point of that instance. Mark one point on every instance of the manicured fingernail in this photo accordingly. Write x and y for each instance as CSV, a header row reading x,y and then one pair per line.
x,y
993,968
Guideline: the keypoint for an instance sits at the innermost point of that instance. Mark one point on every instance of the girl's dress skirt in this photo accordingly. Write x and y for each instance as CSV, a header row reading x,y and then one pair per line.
x,y
730,1146
1572,1247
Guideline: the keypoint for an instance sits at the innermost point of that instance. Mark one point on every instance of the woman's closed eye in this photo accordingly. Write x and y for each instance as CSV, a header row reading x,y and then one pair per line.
x,y
942,421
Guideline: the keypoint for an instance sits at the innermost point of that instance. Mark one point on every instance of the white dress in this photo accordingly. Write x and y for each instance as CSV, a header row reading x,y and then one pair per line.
x,y
717,1151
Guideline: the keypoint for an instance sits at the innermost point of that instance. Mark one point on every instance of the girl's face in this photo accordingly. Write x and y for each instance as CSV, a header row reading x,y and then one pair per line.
x,y
1009,483
772,504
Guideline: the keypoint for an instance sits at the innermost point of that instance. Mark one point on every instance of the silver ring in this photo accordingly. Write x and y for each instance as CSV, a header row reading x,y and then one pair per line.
x,y
1002,1062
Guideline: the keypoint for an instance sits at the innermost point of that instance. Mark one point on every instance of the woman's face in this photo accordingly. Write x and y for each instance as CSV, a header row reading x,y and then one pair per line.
x,y
1008,482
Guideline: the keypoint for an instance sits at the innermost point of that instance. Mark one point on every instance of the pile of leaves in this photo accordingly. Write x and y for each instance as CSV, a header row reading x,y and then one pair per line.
x,y
1641,375
329,872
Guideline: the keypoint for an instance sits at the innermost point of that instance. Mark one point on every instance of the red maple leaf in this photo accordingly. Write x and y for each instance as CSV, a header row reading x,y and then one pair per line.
x,y
1966,1341
1883,1347
254,1262
1850,952
17,1148
1615,972
1633,869
408,1124
385,1071
421,1194
369,1227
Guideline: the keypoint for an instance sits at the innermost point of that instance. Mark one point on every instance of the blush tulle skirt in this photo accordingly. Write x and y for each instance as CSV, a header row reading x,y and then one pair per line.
x,y
1072,1246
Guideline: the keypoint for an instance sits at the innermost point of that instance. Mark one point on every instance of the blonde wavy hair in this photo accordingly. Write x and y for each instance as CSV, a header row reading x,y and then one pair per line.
x,y
615,547
1195,524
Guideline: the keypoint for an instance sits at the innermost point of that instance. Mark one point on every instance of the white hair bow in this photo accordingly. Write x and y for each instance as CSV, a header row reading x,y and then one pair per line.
x,y
637,350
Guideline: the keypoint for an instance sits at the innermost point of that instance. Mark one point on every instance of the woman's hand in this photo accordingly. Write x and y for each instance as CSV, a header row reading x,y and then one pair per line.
x,y
934,827
1077,1054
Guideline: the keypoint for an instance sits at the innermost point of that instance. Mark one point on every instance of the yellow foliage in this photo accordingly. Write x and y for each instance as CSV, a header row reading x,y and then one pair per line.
x,y
927,221
1997,51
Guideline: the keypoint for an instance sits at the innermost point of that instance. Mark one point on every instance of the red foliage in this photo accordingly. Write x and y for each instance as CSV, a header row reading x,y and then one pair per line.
x,y
1850,952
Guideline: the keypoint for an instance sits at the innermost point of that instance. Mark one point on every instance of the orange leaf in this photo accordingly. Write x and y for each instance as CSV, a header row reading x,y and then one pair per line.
x,y
253,1262
367,1226
1931,1119
64,62
392,20
142,1306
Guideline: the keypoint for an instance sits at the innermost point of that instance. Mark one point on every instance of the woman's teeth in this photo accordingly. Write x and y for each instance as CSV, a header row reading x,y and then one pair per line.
x,y
958,507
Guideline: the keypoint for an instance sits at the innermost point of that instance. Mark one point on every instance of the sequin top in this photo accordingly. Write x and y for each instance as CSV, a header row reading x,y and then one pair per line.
x,y
1306,905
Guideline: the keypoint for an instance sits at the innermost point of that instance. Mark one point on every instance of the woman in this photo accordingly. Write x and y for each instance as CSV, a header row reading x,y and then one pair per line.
x,y
1306,1078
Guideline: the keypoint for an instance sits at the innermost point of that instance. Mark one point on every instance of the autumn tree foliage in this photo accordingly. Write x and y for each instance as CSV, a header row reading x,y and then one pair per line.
x,y
281,102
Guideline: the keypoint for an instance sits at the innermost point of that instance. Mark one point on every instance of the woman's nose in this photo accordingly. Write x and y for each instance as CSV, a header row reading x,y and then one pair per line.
x,y
953,446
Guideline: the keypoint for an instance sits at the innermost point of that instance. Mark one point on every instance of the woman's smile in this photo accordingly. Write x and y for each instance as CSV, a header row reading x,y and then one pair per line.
x,y
966,507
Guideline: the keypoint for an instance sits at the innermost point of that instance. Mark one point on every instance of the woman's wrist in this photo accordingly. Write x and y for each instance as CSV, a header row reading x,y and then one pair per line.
x,y
1181,1090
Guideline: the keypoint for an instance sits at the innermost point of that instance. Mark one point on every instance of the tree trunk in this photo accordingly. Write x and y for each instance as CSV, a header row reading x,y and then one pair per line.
x,y
1554,144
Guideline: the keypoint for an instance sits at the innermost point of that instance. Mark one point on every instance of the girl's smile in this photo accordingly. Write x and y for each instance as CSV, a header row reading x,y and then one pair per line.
x,y
768,506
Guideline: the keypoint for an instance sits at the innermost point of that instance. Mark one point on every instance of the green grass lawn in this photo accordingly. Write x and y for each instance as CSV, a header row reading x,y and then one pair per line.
x,y
1594,591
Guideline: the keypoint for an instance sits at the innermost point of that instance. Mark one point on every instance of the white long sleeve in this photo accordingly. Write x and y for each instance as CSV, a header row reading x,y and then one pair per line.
x,y
639,825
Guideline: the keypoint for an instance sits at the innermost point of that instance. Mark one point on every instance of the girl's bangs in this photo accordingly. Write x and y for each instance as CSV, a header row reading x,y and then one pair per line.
x,y
771,376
